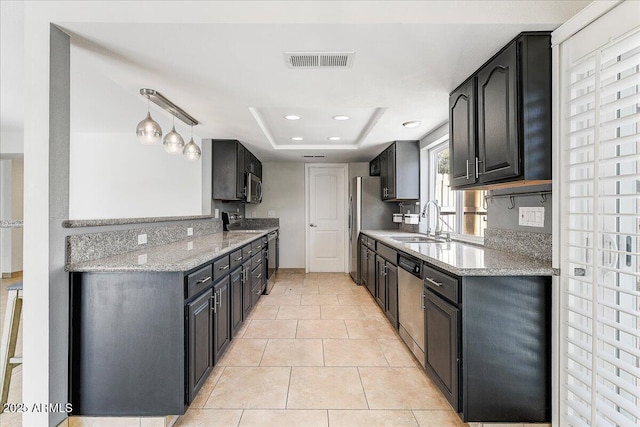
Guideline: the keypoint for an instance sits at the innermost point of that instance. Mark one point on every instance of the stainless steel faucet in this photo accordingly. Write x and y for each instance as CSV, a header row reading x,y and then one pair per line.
x,y
426,214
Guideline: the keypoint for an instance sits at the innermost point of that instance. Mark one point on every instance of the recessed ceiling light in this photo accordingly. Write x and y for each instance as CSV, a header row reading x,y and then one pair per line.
x,y
334,138
412,124
292,117
296,138
340,118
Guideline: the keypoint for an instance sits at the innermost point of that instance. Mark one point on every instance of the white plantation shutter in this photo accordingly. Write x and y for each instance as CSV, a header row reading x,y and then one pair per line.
x,y
600,235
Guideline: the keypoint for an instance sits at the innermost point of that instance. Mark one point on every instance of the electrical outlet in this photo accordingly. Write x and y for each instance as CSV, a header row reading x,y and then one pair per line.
x,y
531,217
189,246
142,239
189,231
142,259
271,214
216,213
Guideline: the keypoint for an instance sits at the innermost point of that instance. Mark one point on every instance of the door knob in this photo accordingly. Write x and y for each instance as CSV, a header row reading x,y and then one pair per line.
x,y
312,225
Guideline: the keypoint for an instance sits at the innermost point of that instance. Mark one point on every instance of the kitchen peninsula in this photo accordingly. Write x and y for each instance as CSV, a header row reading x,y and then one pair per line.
x,y
148,325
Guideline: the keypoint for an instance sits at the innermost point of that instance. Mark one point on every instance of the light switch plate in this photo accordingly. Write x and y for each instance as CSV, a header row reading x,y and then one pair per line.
x,y
216,213
531,216
142,239
189,231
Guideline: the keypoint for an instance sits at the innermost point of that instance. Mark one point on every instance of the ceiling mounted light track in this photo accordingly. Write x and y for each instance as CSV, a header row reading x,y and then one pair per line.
x,y
149,131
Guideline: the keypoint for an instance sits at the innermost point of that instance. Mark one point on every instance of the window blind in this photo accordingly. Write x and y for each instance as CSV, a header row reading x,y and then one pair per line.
x,y
600,275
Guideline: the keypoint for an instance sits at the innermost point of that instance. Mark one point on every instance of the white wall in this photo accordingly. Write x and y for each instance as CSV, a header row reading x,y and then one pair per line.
x,y
11,143
5,213
283,193
17,196
114,176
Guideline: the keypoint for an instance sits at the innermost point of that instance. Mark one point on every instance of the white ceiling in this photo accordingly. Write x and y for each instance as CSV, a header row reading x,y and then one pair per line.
x,y
227,68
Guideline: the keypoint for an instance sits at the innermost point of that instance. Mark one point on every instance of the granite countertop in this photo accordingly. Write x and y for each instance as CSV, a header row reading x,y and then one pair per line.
x,y
464,259
10,223
74,223
178,256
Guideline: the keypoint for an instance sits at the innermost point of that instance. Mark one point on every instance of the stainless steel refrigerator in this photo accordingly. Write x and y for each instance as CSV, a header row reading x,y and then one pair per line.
x,y
366,212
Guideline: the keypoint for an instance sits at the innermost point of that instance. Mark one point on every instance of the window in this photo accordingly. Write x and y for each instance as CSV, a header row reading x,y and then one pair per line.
x,y
462,212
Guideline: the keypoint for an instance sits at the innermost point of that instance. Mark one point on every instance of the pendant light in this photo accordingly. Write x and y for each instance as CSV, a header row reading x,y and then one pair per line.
x,y
191,151
173,142
148,130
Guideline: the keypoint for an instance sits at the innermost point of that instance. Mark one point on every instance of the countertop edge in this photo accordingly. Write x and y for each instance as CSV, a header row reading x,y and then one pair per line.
x,y
515,271
102,265
11,223
77,223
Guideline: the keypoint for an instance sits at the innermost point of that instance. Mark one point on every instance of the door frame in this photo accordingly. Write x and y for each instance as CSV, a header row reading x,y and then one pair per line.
x,y
345,170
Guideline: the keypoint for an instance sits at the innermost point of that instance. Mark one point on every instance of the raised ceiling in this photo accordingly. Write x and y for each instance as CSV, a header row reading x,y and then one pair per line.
x,y
225,64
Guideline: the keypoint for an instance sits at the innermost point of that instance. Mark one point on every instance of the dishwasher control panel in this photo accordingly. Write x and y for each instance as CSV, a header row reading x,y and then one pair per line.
x,y
411,265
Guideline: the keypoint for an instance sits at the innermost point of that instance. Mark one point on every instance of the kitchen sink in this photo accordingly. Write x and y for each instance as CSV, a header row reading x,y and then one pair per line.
x,y
416,239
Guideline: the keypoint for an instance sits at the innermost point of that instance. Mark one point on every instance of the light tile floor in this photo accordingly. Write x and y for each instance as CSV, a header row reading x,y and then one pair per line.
x,y
15,389
318,351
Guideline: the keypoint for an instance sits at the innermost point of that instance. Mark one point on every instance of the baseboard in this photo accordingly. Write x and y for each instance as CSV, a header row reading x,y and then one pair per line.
x,y
290,271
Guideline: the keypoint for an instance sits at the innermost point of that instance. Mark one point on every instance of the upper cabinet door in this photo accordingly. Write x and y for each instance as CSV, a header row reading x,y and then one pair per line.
x,y
498,144
391,172
383,174
462,136
240,193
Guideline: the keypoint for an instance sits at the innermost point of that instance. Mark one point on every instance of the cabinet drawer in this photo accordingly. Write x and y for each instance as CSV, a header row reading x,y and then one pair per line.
x,y
221,268
441,283
387,253
247,252
199,280
256,246
256,260
236,259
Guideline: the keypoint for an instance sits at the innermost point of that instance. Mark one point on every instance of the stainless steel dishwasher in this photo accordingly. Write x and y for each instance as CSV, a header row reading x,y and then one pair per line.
x,y
410,305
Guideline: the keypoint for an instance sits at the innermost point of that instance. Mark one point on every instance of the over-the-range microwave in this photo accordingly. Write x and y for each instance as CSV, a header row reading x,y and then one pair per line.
x,y
254,189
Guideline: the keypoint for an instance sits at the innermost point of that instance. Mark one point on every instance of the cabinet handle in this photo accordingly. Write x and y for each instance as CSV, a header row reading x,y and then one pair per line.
x,y
224,267
478,161
238,259
203,280
422,303
219,298
467,168
213,306
433,282
259,276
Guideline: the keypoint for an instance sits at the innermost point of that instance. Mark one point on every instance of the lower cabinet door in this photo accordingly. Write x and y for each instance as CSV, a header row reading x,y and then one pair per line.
x,y
246,289
441,346
236,300
363,265
200,334
257,281
222,329
381,282
392,294
371,272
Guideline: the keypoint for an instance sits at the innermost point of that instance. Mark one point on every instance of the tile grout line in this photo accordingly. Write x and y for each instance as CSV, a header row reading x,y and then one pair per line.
x,y
286,402
364,392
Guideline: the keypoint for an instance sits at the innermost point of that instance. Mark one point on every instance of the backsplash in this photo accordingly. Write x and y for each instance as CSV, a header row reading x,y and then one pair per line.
x,y
534,245
87,247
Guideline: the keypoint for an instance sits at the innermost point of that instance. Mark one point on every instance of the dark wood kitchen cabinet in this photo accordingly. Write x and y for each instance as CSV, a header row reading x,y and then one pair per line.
x,y
221,318
230,164
200,332
462,134
363,263
488,344
399,167
246,289
387,289
381,282
235,285
374,166
371,272
500,118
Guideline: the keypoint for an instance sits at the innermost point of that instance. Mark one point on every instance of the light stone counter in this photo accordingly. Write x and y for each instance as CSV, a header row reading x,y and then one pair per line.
x,y
183,255
465,259
11,223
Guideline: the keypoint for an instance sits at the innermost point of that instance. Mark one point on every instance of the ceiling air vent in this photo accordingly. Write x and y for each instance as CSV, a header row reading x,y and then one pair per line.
x,y
319,59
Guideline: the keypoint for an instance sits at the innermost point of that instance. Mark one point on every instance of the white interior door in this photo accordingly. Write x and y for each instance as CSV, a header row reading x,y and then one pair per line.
x,y
327,217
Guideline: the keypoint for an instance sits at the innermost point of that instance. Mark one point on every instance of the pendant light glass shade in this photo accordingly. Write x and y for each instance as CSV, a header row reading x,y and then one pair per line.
x,y
148,131
191,150
173,142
